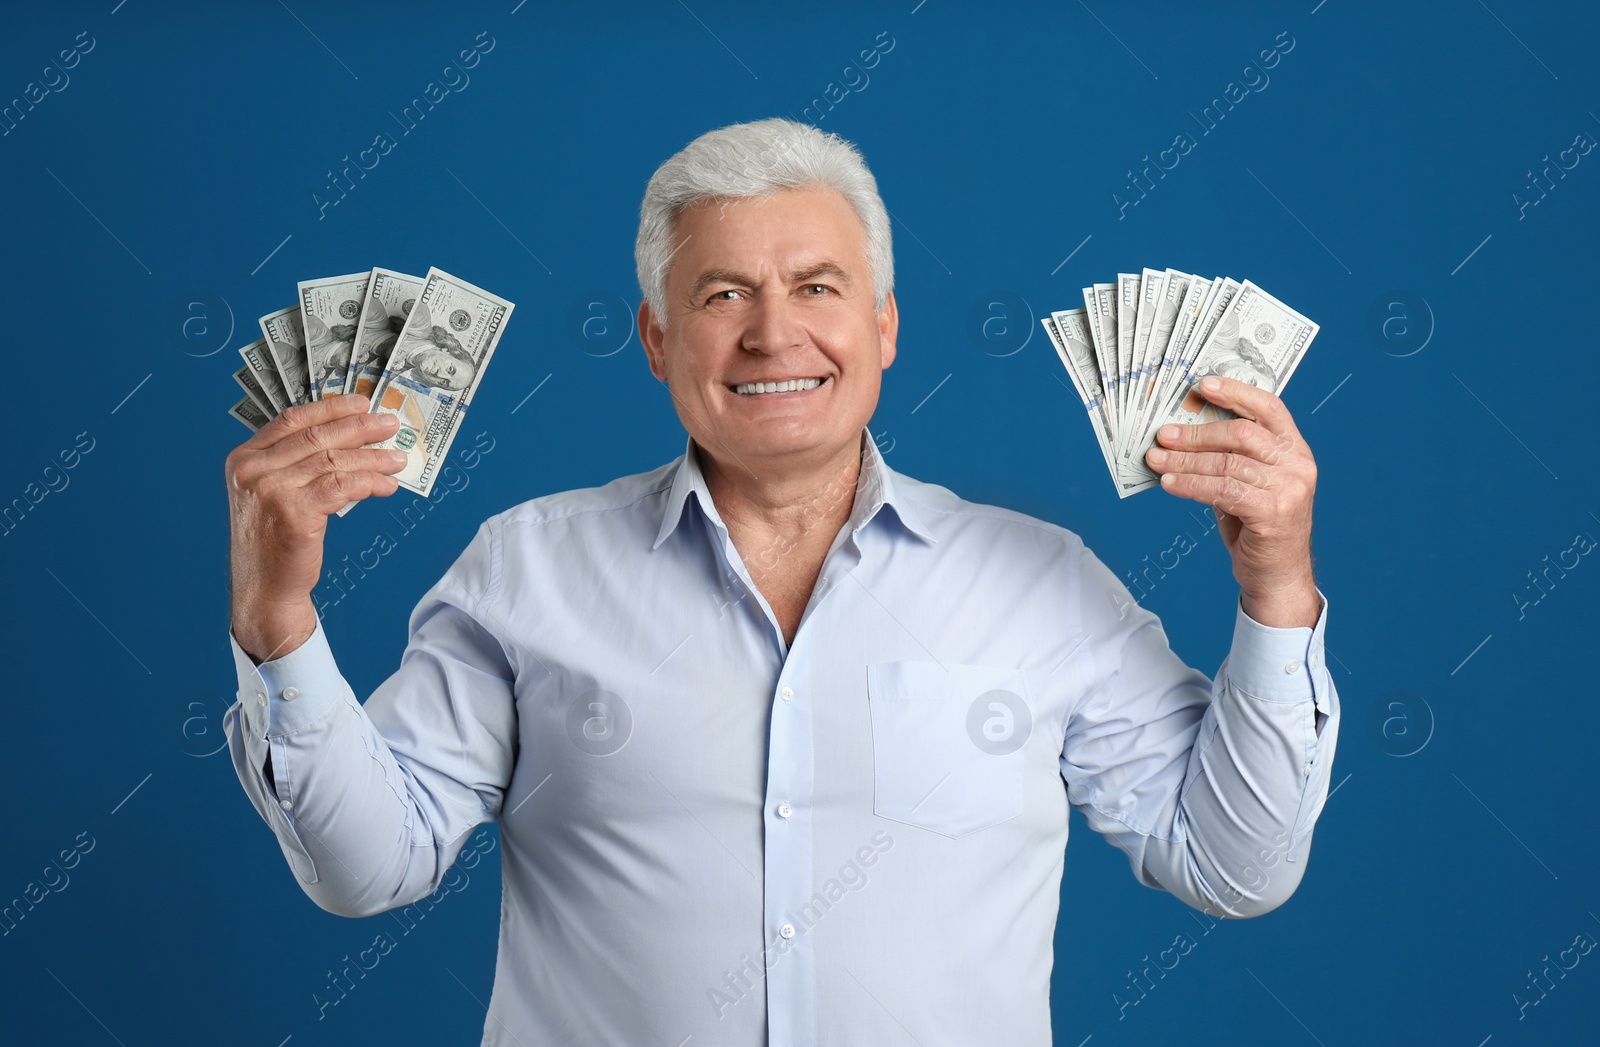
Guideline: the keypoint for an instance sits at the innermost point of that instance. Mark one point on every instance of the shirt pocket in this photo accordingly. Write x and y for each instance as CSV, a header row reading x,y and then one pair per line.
x,y
948,744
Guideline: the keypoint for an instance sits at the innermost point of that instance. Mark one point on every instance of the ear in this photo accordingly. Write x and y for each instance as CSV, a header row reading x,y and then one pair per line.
x,y
888,331
653,338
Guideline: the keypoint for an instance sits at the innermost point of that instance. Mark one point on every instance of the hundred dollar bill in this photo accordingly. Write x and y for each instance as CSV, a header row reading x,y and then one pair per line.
x,y
1174,288
253,390
1091,322
1068,331
388,303
1152,289
286,342
1258,340
329,311
434,370
1104,331
249,413
1222,295
259,361
1127,323
1189,312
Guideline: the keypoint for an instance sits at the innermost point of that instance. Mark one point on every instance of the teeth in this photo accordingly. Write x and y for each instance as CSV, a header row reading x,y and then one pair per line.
x,y
793,384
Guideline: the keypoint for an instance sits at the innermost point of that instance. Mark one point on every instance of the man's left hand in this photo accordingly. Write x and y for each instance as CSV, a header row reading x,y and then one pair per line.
x,y
1257,473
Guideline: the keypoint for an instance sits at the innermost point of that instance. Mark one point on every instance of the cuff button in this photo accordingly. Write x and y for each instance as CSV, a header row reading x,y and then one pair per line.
x,y
1292,667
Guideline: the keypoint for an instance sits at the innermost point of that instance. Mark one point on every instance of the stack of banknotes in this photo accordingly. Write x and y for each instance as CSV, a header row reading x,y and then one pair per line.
x,y
416,346
1140,346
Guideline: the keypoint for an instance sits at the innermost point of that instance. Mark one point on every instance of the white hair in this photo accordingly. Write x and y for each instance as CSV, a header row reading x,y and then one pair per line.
x,y
757,159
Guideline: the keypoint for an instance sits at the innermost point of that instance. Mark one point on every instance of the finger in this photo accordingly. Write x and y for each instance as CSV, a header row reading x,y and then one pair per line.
x,y
342,433
302,416
1245,400
1210,463
1239,435
1225,494
311,468
330,492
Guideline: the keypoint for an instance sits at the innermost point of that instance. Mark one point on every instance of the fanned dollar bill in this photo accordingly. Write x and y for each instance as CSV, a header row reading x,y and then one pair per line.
x,y
1068,331
250,413
286,342
1194,300
1152,286
435,368
388,302
1222,296
330,310
417,347
259,360
1140,346
1127,324
1258,340
253,390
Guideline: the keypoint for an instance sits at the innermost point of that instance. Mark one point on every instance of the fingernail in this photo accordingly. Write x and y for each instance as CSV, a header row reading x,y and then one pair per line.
x,y
1168,479
1157,456
1212,384
397,457
1169,432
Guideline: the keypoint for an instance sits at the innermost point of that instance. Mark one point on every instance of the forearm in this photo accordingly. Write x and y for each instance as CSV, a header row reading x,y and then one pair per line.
x,y
1257,778
337,801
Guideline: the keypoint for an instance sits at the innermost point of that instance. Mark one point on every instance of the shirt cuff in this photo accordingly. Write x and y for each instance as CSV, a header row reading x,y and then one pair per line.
x,y
1277,664
290,694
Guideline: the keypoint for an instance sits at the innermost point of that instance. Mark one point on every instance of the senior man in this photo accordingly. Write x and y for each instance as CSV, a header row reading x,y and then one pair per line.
x,y
781,741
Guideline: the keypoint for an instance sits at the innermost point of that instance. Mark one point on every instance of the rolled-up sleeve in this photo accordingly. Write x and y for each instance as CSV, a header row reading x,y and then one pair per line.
x,y
1212,788
372,803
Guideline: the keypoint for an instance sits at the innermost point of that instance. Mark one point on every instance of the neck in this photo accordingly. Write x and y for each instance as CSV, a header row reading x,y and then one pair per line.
x,y
786,498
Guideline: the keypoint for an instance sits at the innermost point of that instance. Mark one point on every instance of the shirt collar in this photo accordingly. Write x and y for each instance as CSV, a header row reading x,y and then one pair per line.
x,y
879,487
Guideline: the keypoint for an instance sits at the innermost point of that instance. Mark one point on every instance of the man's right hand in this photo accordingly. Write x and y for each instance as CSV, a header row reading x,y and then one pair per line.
x,y
283,483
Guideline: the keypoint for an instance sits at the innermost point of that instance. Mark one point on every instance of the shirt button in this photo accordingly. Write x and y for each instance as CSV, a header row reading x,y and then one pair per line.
x,y
1292,667
787,693
784,810
787,930
285,804
1308,770
290,694
261,697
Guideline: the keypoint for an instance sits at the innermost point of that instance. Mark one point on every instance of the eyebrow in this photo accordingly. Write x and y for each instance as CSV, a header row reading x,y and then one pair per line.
x,y
802,274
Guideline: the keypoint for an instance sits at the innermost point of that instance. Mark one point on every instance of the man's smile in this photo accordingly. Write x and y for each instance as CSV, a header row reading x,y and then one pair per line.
x,y
784,388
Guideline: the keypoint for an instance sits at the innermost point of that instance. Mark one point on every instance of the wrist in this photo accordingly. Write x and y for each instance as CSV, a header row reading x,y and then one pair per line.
x,y
1291,604
269,630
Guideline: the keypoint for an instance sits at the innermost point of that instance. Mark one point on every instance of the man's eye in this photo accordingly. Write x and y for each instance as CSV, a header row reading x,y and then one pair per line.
x,y
717,296
817,287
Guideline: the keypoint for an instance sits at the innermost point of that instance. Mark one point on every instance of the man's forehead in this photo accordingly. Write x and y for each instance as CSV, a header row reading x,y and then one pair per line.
x,y
708,244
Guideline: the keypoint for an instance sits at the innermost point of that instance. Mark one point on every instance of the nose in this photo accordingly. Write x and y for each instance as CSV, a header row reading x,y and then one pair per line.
x,y
773,325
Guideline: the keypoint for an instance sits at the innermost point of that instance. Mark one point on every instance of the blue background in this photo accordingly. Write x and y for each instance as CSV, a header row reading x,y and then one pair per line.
x,y
1377,165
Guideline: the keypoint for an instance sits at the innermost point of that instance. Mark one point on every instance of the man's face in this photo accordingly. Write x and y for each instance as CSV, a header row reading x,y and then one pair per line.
x,y
766,290
441,370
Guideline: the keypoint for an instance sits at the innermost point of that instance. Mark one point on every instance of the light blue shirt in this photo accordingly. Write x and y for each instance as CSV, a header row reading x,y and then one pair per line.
x,y
856,839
